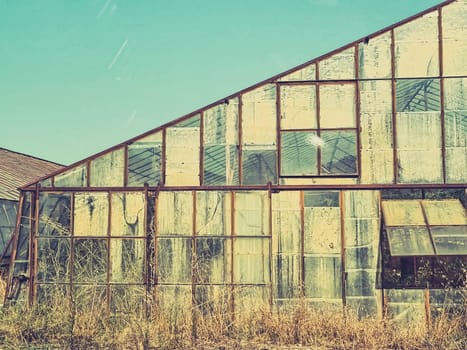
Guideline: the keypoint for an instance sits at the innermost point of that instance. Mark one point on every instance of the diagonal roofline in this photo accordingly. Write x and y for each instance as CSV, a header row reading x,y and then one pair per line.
x,y
272,79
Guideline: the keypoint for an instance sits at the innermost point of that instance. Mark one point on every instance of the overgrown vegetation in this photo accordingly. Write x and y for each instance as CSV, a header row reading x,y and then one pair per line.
x,y
64,325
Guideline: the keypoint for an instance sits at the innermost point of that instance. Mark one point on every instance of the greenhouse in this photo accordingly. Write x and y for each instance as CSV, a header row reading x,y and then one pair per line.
x,y
342,181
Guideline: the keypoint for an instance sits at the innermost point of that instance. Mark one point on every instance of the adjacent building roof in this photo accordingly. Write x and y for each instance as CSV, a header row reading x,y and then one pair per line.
x,y
17,169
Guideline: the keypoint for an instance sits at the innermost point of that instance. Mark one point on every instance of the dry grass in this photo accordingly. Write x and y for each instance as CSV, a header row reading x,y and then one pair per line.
x,y
63,326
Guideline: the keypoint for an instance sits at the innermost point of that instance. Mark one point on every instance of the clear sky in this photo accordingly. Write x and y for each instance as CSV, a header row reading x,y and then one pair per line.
x,y
77,77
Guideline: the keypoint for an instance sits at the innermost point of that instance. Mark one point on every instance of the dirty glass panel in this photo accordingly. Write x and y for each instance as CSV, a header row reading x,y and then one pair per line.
x,y
220,164
91,214
90,261
144,161
174,213
450,240
339,66
339,152
406,305
176,301
456,129
321,199
173,260
455,93
108,169
337,106
127,257
54,214
220,123
213,213
53,259
418,95
259,165
298,107
22,248
444,212
248,299
259,116
286,269
409,241
402,213
299,153
251,213
323,277
213,300
375,57
322,230
127,299
416,47
454,33
213,257
49,294
75,177
90,298
306,73
127,214
360,282
251,260
420,166
182,155
286,223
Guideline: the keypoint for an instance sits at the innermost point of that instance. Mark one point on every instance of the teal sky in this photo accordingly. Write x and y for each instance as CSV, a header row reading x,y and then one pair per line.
x,y
77,77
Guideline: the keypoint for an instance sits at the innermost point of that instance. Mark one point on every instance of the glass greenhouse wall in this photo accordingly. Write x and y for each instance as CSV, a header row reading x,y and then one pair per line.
x,y
341,181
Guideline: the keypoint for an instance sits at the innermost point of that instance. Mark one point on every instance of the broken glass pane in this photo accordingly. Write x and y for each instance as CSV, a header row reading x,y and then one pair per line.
x,y
74,177
212,213
91,214
107,170
175,213
339,152
127,257
337,106
174,260
127,215
251,213
299,153
339,66
251,260
144,161
298,106
323,277
450,240
259,165
402,213
409,241
418,95
212,260
54,214
445,212
90,260
53,259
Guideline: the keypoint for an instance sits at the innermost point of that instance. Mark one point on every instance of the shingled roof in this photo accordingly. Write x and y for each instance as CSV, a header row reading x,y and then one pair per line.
x,y
17,169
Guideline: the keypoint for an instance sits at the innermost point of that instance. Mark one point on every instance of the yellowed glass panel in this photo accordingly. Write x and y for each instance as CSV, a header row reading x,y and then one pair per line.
x,y
375,57
339,66
213,258
298,107
454,17
91,214
416,47
174,213
409,241
402,213
251,213
108,169
127,257
74,177
306,73
251,260
174,260
127,218
445,212
337,106
259,117
322,230
213,216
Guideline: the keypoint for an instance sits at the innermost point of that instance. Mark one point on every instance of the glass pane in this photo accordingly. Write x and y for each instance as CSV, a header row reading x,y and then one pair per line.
x,y
286,270
456,129
298,107
454,33
416,47
8,213
251,260
323,277
220,123
22,246
127,215
175,213
445,212
339,66
108,169
321,199
337,106
127,257
339,152
182,155
306,73
409,241
212,213
220,165
322,230
90,299
450,240
418,95
49,294
90,260
213,257
127,300
144,161
54,214
375,57
91,214
402,213
251,213
173,260
75,177
213,300
286,223
299,153
53,258
259,165
259,117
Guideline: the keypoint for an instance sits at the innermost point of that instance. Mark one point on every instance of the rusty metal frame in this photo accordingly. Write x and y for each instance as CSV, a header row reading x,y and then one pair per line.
x,y
441,92
395,166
